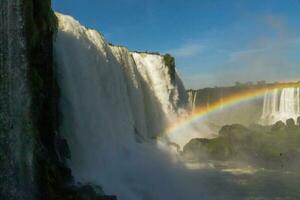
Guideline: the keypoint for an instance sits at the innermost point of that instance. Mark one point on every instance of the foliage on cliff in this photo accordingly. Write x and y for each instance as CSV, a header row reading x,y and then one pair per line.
x,y
277,146
170,63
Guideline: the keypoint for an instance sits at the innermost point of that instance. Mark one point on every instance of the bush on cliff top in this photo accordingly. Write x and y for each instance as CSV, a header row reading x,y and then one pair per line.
x,y
170,63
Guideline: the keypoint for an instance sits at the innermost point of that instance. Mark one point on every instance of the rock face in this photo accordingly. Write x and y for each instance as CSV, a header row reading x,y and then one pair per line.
x,y
16,129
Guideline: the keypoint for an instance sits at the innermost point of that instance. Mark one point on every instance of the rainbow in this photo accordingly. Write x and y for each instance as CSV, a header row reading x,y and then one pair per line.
x,y
228,101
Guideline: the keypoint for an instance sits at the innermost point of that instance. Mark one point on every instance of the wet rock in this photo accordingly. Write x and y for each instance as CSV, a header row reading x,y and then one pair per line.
x,y
278,126
290,123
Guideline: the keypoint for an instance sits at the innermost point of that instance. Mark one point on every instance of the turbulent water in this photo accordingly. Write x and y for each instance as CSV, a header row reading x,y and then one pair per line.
x,y
281,105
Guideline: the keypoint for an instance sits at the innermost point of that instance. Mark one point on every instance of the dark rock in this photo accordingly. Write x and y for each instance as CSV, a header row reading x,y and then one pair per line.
x,y
87,192
290,123
196,143
234,133
278,126
53,178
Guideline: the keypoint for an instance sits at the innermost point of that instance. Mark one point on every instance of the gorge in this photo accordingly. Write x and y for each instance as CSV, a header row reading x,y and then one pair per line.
x,y
83,119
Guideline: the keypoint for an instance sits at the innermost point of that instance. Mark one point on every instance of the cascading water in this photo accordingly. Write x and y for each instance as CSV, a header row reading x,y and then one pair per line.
x,y
281,105
194,101
16,134
109,99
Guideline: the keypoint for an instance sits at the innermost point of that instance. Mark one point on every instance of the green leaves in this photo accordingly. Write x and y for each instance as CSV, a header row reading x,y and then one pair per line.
x,y
170,63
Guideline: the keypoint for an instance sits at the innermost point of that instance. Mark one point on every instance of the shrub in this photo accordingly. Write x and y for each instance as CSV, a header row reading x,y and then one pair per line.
x,y
170,63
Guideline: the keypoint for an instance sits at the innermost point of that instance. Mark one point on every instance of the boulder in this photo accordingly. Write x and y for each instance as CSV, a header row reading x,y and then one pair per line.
x,y
290,123
278,126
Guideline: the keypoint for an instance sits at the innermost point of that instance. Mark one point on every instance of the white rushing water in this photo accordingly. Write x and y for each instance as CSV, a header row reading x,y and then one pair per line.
x,y
110,99
281,105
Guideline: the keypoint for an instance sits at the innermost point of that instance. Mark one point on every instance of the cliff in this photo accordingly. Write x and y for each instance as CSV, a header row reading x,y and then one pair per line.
x,y
16,168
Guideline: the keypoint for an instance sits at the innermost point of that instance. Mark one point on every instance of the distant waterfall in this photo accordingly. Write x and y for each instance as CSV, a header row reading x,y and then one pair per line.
x,y
194,101
192,98
281,105
16,134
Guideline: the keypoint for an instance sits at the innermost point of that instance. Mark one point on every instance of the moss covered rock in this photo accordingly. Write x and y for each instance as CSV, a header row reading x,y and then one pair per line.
x,y
275,147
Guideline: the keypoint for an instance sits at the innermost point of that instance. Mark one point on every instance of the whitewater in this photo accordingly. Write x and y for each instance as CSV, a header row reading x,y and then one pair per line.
x,y
113,102
281,105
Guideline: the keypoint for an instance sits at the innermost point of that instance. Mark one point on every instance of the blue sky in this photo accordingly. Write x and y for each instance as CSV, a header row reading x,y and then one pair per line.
x,y
215,42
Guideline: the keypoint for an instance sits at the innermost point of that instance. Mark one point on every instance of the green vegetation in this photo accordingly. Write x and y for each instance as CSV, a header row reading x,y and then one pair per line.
x,y
170,63
277,146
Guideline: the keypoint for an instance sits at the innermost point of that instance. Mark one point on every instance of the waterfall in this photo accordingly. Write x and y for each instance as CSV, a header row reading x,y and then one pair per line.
x,y
297,99
161,97
16,134
192,99
281,105
112,102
